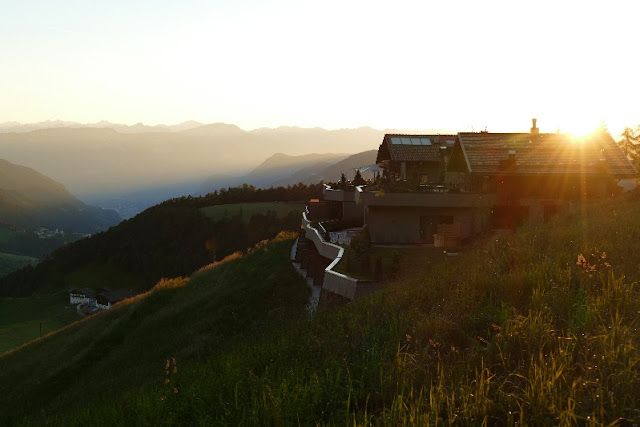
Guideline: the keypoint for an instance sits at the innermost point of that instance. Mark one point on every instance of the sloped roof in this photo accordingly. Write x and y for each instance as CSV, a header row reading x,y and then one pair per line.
x,y
488,153
415,152
84,291
115,296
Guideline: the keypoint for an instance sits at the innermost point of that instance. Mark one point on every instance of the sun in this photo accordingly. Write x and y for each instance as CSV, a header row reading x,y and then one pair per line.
x,y
579,128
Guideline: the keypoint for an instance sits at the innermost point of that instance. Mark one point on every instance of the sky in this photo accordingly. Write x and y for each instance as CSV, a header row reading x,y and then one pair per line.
x,y
451,65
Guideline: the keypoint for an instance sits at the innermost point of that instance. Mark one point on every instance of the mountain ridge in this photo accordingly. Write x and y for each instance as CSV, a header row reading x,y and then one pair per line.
x,y
31,199
280,170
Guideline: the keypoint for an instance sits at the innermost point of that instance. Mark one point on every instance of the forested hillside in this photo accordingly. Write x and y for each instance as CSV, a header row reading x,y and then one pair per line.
x,y
29,199
168,240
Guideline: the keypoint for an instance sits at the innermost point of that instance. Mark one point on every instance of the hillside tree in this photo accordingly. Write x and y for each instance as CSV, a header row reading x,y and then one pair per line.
x,y
630,144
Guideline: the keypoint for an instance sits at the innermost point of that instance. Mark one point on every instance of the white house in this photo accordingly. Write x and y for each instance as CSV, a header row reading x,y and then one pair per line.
x,y
83,295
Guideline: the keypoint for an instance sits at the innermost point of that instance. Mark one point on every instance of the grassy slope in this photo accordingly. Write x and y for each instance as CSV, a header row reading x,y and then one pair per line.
x,y
512,330
218,212
408,259
21,319
126,348
11,262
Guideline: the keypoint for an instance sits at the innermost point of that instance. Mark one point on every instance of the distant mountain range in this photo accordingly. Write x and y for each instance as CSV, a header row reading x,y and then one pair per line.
x,y
129,168
29,199
136,128
104,158
282,170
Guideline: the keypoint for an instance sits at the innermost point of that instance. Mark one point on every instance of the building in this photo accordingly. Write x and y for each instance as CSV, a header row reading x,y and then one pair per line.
x,y
106,299
419,158
101,298
532,174
444,189
82,296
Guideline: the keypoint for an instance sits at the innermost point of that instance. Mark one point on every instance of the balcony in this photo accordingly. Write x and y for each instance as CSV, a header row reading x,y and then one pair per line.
x,y
338,195
429,199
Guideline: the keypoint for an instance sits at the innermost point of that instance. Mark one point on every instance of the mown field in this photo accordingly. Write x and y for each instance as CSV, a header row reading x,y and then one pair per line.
x,y
538,327
246,210
25,319
11,262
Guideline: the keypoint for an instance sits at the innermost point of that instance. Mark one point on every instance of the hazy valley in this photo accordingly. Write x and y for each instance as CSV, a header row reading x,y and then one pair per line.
x,y
129,168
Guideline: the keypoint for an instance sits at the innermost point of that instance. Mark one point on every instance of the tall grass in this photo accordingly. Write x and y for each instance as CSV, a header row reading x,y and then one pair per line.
x,y
516,330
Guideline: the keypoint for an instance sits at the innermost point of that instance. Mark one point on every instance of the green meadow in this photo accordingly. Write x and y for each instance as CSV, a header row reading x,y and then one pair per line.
x,y
536,327
12,262
25,319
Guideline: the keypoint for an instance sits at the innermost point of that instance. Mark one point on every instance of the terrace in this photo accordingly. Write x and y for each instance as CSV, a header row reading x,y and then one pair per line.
x,y
421,195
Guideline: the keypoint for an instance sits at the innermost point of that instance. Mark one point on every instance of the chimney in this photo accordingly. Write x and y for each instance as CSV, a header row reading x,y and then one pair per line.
x,y
534,130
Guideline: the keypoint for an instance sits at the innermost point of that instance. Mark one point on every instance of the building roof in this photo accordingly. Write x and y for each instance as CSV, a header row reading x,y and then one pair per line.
x,y
114,296
84,291
488,153
413,148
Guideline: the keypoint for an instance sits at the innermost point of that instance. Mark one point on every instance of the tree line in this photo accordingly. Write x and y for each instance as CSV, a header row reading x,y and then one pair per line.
x,y
167,240
248,194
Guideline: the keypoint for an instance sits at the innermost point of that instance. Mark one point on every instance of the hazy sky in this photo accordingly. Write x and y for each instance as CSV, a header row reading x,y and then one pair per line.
x,y
402,64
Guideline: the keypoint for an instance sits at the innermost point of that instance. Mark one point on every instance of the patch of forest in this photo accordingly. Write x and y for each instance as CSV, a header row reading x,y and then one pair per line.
x,y
171,239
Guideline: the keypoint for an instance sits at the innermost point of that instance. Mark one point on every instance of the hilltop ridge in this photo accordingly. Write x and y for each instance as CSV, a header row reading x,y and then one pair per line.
x,y
31,199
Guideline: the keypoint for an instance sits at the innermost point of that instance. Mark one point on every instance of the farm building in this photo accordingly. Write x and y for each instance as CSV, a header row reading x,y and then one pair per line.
x,y
82,296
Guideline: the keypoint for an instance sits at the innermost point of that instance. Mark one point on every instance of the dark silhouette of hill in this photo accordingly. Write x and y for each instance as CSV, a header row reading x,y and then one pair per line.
x,y
30,199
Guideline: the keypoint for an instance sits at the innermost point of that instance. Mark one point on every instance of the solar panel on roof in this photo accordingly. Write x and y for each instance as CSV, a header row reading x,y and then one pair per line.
x,y
416,141
396,141
406,141
450,142
426,141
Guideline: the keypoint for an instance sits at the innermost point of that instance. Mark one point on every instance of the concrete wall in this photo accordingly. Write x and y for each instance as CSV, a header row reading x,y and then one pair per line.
x,y
337,195
333,281
326,249
352,211
433,200
537,207
389,224
80,298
